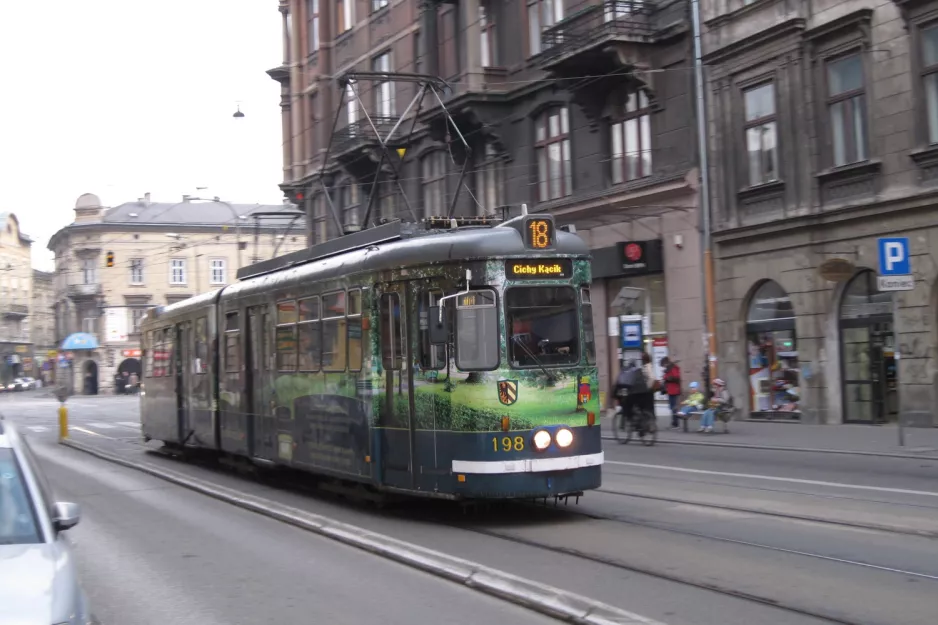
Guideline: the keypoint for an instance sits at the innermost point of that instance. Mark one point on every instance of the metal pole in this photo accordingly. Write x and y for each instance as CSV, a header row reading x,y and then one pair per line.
x,y
896,357
709,316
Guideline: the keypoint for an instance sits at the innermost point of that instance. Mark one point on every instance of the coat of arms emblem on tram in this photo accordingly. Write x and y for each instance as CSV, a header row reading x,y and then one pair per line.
x,y
508,391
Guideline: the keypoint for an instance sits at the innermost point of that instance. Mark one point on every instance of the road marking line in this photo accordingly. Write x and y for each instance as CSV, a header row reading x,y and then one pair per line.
x,y
103,426
79,429
773,478
36,428
129,424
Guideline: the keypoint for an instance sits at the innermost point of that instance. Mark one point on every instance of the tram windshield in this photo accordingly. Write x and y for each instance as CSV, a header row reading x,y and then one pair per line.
x,y
542,326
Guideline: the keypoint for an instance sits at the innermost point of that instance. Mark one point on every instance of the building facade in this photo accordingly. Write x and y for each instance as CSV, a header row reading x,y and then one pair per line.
x,y
42,325
16,345
580,108
823,126
112,264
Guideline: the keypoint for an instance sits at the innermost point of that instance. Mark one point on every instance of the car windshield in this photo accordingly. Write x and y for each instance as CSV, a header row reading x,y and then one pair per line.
x,y
17,517
542,322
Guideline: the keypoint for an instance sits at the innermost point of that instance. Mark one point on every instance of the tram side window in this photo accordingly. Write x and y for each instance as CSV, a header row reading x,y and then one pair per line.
x,y
542,325
476,331
431,356
354,330
232,343
167,352
148,355
334,340
201,346
392,332
309,334
265,340
286,336
589,336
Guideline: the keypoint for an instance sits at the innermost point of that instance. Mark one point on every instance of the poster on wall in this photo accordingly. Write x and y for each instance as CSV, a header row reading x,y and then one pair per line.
x,y
115,324
659,350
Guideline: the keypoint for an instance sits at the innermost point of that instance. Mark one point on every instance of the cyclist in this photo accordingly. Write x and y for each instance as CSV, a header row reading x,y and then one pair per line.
x,y
635,388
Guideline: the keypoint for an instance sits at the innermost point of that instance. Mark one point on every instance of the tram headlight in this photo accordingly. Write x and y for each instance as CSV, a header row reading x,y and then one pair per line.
x,y
541,440
564,437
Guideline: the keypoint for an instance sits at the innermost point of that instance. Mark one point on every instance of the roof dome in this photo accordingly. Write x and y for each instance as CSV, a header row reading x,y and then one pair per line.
x,y
88,200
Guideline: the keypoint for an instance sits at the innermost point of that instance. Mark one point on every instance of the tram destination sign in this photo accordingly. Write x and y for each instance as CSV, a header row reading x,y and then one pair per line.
x,y
559,268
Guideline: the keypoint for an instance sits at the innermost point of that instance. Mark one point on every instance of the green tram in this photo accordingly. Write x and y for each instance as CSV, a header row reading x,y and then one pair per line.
x,y
452,358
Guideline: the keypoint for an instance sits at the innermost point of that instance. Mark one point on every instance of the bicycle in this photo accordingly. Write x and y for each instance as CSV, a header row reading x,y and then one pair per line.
x,y
643,423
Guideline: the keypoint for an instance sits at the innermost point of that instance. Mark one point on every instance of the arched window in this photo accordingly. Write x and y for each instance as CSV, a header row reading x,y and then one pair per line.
x,y
552,147
433,168
867,352
772,348
631,139
349,203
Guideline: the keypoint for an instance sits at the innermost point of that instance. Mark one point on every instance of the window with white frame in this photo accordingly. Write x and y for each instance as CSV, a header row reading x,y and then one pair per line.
x,y
89,271
344,16
384,90
631,140
312,14
846,105
489,178
136,271
542,14
89,325
929,50
761,134
177,271
487,50
217,273
552,147
137,315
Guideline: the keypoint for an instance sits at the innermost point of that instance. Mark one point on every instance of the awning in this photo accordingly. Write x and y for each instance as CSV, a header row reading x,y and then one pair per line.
x,y
80,340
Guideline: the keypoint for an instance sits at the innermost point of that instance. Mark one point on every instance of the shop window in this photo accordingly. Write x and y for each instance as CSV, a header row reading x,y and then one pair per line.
x,y
774,376
867,351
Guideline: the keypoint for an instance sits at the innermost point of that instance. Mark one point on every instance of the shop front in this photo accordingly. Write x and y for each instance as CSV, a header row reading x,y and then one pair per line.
x,y
772,351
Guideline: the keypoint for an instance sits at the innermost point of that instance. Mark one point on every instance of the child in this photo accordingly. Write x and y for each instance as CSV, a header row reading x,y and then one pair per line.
x,y
693,402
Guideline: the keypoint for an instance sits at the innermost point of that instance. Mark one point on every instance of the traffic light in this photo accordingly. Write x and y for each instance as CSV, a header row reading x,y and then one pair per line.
x,y
110,259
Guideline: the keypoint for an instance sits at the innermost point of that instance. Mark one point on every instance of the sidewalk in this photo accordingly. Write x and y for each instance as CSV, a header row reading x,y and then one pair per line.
x,y
865,439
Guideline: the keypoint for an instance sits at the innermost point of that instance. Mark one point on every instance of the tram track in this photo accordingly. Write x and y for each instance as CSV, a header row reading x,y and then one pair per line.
x,y
445,513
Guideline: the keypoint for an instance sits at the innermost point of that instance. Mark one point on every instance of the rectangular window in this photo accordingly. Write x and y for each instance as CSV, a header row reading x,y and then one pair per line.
x,y
761,134
631,140
266,332
354,325
312,11
310,335
477,331
930,78
392,332
384,90
542,325
89,325
431,356
177,271
489,181
378,4
552,147
89,272
433,168
217,273
136,271
542,14
487,33
344,15
232,343
148,348
334,340
286,336
137,315
847,110
200,366
589,337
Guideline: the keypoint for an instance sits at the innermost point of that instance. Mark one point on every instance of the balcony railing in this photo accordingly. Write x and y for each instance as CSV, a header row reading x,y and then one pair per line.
x,y
611,19
83,290
360,133
13,309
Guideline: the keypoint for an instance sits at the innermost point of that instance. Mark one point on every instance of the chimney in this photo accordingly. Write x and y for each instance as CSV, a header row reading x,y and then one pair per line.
x,y
185,198
146,198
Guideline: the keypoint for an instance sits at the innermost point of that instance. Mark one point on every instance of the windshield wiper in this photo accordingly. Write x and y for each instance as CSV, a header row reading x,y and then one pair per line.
x,y
534,358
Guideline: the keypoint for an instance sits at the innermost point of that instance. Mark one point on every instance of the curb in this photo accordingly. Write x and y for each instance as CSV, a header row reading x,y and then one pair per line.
x,y
843,452
547,600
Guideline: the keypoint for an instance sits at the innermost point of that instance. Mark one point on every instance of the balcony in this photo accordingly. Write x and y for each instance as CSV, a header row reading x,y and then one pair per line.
x,y
83,291
359,137
599,39
13,309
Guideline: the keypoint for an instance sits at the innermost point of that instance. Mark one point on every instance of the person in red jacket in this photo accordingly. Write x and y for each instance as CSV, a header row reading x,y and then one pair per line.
x,y
672,386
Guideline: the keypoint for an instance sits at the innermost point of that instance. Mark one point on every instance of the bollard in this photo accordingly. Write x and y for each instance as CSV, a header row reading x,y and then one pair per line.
x,y
62,394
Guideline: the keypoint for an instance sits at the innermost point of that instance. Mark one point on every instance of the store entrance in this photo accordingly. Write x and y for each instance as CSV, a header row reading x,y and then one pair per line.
x,y
774,373
870,374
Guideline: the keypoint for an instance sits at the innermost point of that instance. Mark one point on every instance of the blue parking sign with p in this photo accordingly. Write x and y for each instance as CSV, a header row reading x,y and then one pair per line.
x,y
894,257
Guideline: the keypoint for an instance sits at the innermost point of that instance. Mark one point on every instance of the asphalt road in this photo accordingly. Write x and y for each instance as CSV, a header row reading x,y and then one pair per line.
x,y
673,533
155,553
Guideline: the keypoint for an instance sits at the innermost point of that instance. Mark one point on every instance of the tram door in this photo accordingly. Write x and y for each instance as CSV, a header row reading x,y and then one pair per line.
x,y
254,370
183,385
397,422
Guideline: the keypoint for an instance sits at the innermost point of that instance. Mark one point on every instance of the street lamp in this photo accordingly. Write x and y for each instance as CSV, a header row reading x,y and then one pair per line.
x,y
238,114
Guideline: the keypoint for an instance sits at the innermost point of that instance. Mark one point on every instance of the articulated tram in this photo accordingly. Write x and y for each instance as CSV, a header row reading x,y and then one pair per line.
x,y
452,358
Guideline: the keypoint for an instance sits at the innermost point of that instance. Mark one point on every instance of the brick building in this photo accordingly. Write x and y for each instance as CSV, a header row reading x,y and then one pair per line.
x,y
580,108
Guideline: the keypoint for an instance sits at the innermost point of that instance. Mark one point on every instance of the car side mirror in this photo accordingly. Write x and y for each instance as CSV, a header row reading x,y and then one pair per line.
x,y
439,327
67,515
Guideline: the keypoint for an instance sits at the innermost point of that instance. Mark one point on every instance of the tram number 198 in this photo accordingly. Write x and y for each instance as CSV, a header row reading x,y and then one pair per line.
x,y
507,443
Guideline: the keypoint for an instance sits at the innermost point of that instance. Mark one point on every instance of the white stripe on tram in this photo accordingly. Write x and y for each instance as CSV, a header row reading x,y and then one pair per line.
x,y
531,465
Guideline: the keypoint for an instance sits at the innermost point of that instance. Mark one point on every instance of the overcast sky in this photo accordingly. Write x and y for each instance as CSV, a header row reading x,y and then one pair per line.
x,y
119,98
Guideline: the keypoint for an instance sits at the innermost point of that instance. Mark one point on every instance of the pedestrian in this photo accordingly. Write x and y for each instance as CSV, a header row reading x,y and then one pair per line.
x,y
721,400
672,387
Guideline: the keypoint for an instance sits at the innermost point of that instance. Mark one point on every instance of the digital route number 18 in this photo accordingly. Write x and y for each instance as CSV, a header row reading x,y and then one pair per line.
x,y
540,233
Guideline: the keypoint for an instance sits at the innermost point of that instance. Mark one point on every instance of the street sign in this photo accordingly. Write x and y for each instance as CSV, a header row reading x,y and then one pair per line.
x,y
895,265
